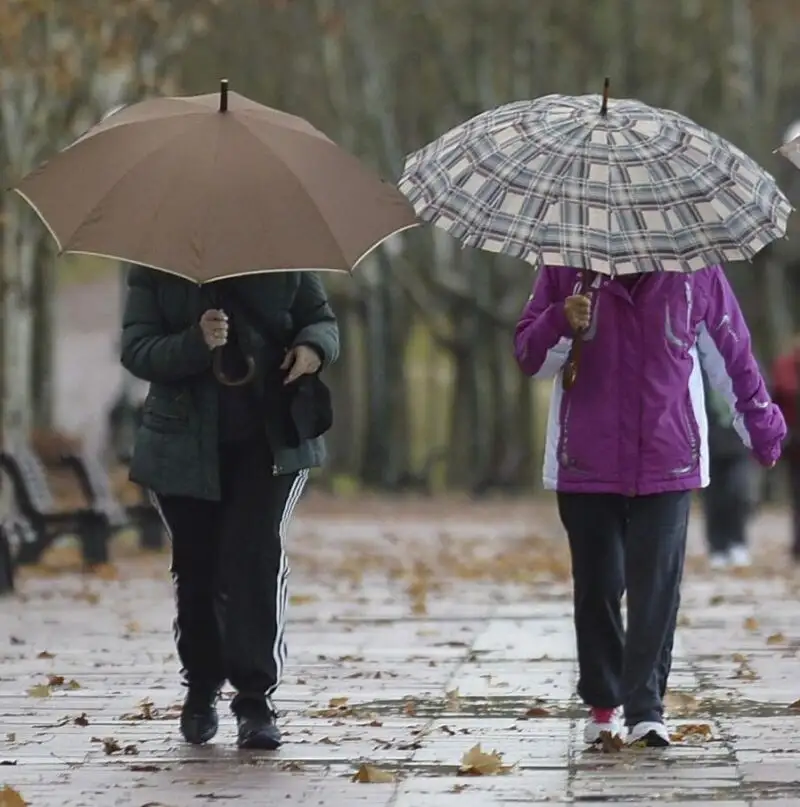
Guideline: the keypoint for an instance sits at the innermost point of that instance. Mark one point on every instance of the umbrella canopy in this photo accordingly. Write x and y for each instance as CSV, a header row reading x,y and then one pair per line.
x,y
616,187
214,186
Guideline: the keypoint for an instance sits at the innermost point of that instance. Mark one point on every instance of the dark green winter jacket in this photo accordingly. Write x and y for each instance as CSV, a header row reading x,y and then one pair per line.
x,y
176,449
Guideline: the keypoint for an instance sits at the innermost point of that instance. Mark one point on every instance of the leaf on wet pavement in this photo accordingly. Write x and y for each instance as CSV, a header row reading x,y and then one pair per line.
x,y
369,774
692,732
776,638
87,595
745,672
337,703
536,711
680,703
9,797
105,571
477,762
110,744
751,624
302,599
453,700
45,654
410,707
39,691
55,680
81,720
146,711
610,743
717,599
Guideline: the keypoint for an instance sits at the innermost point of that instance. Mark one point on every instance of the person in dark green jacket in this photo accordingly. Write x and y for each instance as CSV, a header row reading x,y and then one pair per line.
x,y
226,466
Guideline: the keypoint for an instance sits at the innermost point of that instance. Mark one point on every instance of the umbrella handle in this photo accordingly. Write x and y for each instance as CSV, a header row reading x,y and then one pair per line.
x,y
570,374
219,373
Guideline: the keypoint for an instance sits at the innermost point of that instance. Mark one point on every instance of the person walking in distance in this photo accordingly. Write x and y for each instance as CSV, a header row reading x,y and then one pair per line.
x,y
728,498
626,444
786,389
226,465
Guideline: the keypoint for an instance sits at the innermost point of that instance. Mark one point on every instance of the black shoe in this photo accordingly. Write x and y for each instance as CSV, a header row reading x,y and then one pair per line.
x,y
199,721
257,727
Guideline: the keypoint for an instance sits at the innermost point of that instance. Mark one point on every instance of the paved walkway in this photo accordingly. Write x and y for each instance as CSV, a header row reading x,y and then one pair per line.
x,y
413,639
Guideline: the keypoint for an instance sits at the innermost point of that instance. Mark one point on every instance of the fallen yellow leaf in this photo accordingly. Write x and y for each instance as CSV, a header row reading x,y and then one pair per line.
x,y
693,731
776,638
477,762
337,703
536,711
11,798
751,623
39,691
302,599
680,703
368,774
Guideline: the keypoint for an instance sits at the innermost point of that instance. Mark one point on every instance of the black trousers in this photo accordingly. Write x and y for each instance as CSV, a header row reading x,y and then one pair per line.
x,y
230,570
726,503
636,544
794,493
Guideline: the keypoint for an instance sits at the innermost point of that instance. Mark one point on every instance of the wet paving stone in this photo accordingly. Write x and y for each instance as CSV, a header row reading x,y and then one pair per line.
x,y
404,683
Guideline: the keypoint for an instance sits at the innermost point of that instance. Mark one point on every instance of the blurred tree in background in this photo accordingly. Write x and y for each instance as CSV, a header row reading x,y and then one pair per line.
x,y
427,390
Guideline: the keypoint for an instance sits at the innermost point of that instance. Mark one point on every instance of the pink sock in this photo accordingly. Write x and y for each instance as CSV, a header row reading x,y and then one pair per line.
x,y
602,715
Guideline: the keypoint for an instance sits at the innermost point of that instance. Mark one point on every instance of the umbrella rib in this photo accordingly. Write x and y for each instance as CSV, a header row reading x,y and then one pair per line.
x,y
297,181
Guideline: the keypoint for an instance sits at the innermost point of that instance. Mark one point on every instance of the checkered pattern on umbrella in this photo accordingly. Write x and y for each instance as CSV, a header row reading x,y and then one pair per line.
x,y
553,181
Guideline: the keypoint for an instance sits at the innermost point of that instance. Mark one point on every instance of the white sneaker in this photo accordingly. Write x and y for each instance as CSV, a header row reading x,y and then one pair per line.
x,y
652,734
740,557
719,560
594,727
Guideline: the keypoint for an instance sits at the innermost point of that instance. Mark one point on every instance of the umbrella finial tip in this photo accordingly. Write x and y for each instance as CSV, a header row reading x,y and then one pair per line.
x,y
604,105
223,95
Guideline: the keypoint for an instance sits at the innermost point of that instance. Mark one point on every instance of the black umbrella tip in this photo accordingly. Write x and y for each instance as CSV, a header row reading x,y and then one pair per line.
x,y
604,105
223,95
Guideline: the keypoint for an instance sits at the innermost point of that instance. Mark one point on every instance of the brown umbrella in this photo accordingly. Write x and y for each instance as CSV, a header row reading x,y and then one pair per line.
x,y
212,186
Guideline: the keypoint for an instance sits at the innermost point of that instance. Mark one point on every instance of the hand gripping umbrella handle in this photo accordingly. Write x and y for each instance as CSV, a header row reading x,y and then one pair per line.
x,y
219,373
570,374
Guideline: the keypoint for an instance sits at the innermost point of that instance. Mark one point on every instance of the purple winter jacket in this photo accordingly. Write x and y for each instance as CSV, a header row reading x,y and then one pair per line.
x,y
634,422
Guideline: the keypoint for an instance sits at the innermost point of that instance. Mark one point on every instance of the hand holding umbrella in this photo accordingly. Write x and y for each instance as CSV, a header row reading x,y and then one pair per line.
x,y
214,326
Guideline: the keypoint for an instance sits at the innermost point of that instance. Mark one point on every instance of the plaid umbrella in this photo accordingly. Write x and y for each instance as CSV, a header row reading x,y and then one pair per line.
x,y
615,187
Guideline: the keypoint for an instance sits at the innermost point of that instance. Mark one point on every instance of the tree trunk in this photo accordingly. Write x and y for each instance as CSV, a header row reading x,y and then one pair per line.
x,y
44,318
17,322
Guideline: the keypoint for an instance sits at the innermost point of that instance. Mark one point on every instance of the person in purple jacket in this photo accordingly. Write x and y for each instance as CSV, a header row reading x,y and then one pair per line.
x,y
626,445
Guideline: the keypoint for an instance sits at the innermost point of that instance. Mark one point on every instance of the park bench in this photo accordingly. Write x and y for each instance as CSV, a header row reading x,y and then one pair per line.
x,y
36,504
96,486
16,533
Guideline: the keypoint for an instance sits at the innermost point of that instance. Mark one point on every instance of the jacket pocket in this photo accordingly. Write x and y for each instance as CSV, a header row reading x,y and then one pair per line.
x,y
691,440
166,414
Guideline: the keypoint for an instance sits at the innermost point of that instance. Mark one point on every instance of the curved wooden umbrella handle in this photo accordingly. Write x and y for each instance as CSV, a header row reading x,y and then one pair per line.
x,y
570,374
219,373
